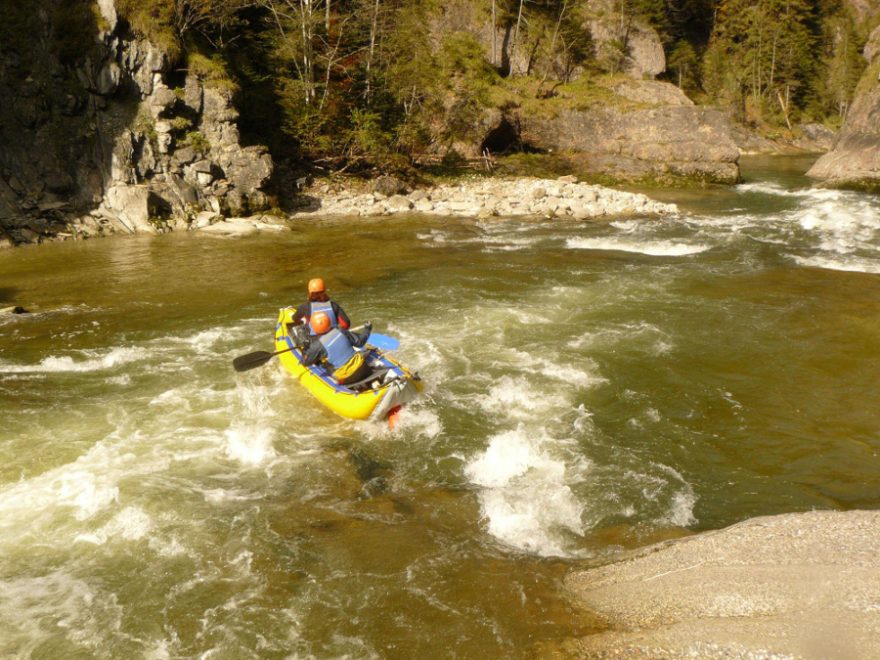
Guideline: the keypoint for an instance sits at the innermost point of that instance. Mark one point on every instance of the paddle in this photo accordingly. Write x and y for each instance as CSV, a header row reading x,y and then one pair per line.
x,y
259,358
254,360
383,342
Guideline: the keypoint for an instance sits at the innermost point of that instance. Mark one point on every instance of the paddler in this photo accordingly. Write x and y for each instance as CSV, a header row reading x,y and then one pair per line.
x,y
319,302
338,347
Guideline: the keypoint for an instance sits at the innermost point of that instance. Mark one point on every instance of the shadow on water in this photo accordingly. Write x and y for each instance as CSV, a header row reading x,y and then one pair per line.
x,y
7,294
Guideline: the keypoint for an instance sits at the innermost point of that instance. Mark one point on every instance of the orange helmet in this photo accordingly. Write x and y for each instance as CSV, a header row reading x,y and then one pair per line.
x,y
316,285
320,323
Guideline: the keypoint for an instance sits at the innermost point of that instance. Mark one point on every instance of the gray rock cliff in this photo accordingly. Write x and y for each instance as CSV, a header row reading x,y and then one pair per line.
x,y
94,138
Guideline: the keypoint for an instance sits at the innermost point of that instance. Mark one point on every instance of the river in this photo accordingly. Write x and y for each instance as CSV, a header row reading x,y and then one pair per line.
x,y
590,387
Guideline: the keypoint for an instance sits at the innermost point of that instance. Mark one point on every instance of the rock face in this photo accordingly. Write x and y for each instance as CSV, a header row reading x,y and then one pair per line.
x,y
678,141
96,140
637,46
854,161
798,585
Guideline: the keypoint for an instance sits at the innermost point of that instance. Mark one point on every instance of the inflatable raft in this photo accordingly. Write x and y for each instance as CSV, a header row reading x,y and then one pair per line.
x,y
377,397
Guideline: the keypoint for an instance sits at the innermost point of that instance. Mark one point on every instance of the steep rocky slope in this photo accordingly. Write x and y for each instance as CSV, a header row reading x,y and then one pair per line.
x,y
99,135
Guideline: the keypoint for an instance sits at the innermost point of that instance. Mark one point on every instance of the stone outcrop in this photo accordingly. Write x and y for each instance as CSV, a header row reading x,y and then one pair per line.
x,y
484,198
854,160
798,585
639,142
108,139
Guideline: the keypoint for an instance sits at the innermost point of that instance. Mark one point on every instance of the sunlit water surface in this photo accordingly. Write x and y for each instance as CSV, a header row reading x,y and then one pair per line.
x,y
591,386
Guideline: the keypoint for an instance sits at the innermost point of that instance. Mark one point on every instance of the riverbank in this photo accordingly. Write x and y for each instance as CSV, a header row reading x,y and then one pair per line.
x,y
801,585
487,197
479,198
563,197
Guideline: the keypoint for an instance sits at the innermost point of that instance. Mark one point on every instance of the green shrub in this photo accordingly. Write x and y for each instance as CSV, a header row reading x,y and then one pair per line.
x,y
211,70
181,123
198,141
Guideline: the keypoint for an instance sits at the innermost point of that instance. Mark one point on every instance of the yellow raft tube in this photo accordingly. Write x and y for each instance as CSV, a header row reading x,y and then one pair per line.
x,y
391,385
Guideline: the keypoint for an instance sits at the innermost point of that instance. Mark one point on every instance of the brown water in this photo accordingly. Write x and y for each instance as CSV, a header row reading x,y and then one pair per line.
x,y
591,387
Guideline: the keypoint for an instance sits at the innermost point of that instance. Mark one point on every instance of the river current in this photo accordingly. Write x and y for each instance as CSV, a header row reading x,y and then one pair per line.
x,y
590,387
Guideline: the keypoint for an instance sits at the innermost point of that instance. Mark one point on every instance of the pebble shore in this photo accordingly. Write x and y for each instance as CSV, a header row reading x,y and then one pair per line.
x,y
482,198
479,198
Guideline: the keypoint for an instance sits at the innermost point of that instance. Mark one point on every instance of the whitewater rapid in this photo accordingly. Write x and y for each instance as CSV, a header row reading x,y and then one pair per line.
x,y
590,386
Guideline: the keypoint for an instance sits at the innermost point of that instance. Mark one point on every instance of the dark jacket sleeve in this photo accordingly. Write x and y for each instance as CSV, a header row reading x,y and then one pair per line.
x,y
342,317
358,339
314,353
301,312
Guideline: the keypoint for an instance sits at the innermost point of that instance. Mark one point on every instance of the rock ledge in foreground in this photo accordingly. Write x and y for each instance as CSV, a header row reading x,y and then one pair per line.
x,y
795,585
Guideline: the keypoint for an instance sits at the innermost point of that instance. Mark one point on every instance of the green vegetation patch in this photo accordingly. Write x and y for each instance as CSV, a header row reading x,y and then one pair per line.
x,y
155,20
538,98
211,70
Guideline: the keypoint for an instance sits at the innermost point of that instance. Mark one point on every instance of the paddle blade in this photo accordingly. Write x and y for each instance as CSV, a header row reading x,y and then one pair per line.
x,y
383,342
251,360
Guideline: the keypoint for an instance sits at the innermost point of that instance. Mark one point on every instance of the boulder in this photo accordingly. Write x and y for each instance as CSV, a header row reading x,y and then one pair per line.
x,y
398,203
132,205
798,585
680,141
388,186
206,219
232,229
248,169
815,137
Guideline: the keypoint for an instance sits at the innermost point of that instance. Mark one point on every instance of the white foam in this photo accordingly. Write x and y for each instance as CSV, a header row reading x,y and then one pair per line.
x,y
250,445
87,492
847,264
65,363
525,498
573,376
130,524
75,608
518,399
681,508
771,189
651,248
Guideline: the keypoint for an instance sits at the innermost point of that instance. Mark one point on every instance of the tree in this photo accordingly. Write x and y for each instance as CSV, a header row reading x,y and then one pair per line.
x,y
683,62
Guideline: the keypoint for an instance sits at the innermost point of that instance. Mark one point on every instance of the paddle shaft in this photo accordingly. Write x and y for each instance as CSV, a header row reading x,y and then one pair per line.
x,y
259,358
